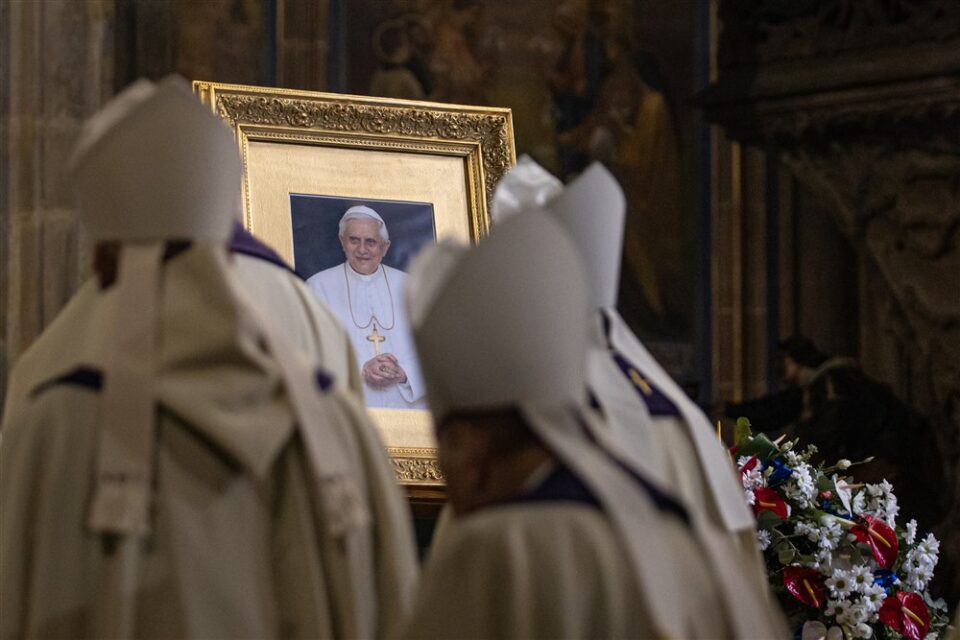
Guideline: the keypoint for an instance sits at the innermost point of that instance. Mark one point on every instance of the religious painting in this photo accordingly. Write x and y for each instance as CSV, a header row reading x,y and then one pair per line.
x,y
353,254
415,172
586,80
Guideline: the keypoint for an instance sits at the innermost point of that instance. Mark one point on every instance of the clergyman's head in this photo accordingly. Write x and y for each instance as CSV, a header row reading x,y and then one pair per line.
x,y
486,457
364,238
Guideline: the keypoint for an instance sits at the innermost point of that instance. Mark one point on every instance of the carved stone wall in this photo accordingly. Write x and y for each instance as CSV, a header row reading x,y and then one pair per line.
x,y
863,99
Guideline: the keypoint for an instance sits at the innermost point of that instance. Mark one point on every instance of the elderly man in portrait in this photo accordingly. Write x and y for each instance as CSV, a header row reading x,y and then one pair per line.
x,y
367,296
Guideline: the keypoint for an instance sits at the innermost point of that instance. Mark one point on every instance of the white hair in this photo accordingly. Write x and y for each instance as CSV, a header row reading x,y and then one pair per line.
x,y
361,211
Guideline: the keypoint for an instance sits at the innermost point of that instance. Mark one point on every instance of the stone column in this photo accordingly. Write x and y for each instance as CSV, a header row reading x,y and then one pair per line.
x,y
56,70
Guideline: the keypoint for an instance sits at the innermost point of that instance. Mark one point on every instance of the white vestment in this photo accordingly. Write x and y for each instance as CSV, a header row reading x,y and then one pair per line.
x,y
680,452
245,540
276,293
362,302
554,569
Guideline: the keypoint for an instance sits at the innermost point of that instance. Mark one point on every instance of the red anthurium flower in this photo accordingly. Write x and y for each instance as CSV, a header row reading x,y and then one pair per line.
x,y
907,614
766,499
749,464
881,539
806,585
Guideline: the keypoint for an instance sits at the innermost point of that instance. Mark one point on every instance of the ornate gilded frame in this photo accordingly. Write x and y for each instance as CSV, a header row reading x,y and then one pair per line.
x,y
479,138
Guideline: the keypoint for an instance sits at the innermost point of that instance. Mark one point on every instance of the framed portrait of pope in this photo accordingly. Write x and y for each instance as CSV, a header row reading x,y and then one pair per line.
x,y
347,189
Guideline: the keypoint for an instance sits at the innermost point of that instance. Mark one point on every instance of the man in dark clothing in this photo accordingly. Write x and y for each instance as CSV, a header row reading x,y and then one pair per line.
x,y
829,402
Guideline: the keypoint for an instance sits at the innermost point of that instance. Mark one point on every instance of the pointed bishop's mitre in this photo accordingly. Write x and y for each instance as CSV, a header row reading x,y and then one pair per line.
x,y
503,323
592,209
156,164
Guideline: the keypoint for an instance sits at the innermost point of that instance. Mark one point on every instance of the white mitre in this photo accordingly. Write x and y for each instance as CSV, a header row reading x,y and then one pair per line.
x,y
156,164
153,165
592,209
486,341
526,187
489,342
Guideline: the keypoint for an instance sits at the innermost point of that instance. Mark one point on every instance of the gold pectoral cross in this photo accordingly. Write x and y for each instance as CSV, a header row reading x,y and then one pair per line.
x,y
638,380
376,339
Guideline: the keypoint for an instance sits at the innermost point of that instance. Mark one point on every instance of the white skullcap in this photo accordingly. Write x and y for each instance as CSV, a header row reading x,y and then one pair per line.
x,y
525,187
592,209
497,325
156,164
363,211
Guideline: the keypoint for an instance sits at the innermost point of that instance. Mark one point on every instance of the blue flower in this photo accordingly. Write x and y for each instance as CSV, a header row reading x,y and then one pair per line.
x,y
885,578
780,473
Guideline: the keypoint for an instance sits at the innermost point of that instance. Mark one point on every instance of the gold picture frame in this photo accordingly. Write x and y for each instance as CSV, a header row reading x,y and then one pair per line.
x,y
306,142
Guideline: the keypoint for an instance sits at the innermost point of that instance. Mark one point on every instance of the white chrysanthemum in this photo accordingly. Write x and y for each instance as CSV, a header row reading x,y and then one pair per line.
x,y
821,560
873,596
801,494
750,498
804,478
911,532
929,549
835,606
831,533
752,479
763,539
862,630
803,528
882,503
840,585
824,560
793,459
859,503
917,578
862,578
891,510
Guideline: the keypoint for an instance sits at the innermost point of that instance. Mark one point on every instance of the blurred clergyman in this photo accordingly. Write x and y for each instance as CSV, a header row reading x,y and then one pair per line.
x,y
271,285
367,297
655,428
554,536
191,473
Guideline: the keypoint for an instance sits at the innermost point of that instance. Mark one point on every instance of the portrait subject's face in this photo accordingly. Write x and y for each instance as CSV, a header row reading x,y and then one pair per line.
x,y
363,246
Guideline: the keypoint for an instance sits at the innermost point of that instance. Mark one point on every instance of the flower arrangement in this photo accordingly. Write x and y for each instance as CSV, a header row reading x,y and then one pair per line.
x,y
835,555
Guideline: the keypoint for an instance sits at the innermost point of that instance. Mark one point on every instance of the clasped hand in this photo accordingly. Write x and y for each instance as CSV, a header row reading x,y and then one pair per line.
x,y
383,370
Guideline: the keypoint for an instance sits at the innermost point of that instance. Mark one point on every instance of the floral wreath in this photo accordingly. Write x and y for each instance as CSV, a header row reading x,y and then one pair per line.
x,y
834,553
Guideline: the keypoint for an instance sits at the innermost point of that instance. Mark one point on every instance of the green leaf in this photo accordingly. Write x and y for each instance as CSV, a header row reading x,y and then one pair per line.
x,y
786,553
742,433
761,446
768,520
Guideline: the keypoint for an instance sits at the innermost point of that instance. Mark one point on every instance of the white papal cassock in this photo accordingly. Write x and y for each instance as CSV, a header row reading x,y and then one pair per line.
x,y
591,547
363,302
